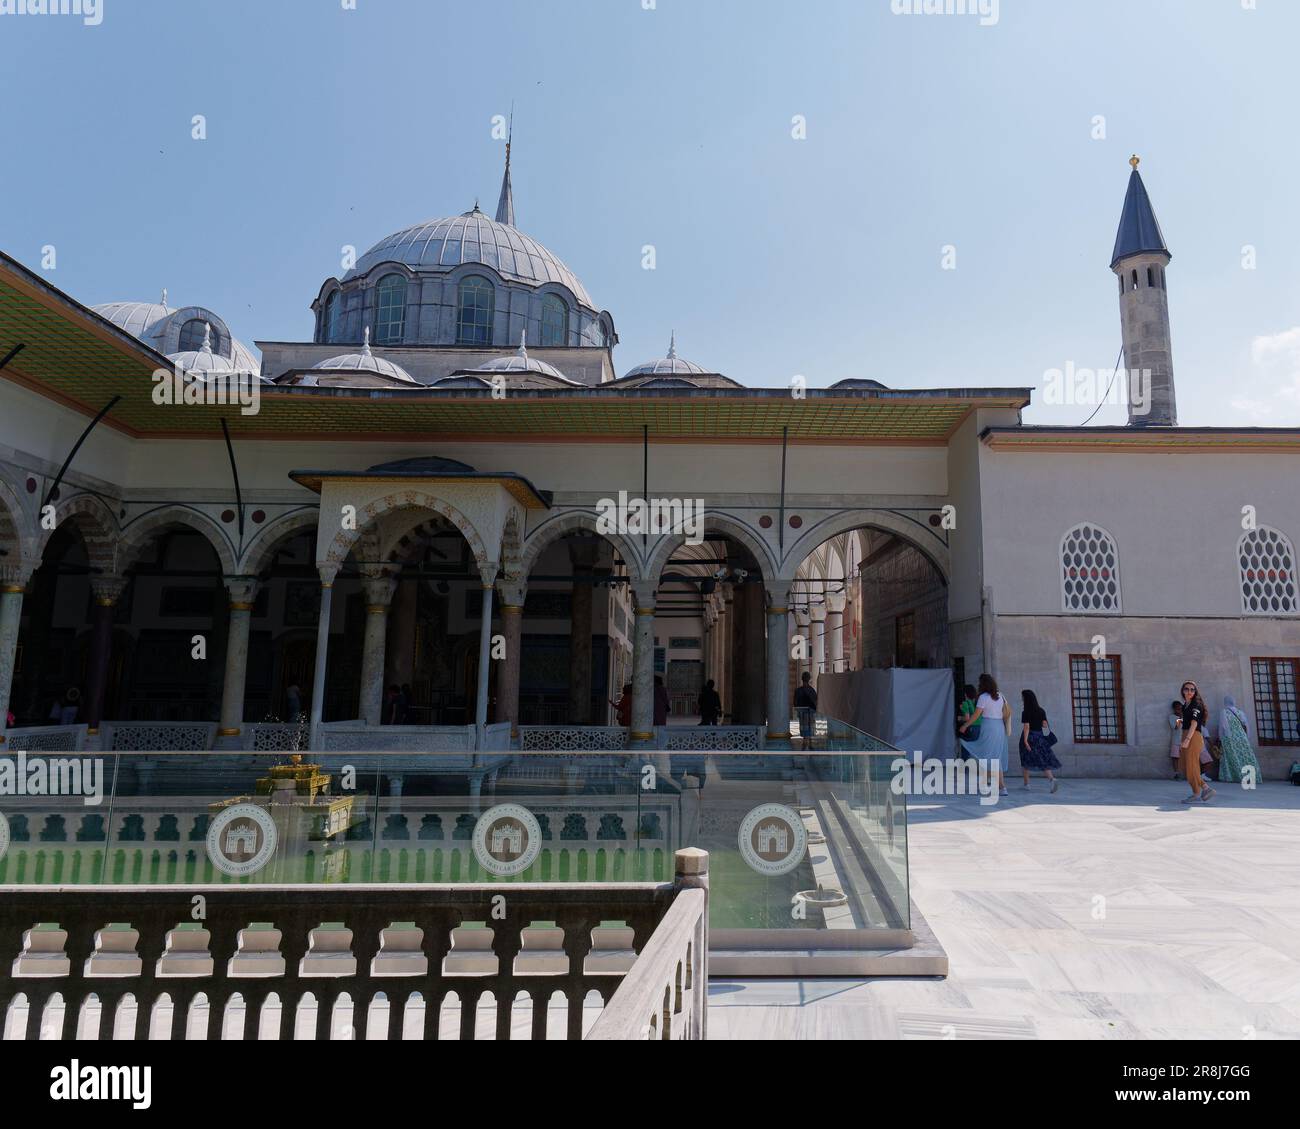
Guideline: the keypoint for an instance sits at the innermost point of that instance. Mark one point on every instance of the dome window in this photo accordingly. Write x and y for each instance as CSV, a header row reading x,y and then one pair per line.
x,y
333,315
390,310
555,321
192,334
475,311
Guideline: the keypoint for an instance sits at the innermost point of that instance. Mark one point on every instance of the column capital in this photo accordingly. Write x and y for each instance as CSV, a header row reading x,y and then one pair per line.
x,y
644,594
379,591
243,591
778,595
835,602
328,574
16,575
817,613
512,593
488,570
107,588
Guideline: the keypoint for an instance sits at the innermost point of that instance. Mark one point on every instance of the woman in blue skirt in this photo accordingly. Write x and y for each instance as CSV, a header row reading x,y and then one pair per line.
x,y
993,716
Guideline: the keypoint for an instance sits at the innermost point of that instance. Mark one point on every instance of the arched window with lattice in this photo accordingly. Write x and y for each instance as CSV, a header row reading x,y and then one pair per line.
x,y
1090,571
1267,561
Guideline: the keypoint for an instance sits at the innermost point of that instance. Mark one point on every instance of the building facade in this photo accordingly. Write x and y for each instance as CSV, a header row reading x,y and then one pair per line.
x,y
404,522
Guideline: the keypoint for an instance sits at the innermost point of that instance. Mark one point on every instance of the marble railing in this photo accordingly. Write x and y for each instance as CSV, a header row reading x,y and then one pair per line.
x,y
572,738
45,739
712,738
665,994
157,736
83,960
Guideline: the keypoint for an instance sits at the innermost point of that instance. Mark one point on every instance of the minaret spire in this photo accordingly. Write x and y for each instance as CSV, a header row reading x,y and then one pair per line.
x,y
506,205
1139,260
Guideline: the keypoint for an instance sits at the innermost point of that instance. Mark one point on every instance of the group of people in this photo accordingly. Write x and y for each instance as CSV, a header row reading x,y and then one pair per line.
x,y
986,729
1192,752
985,732
623,707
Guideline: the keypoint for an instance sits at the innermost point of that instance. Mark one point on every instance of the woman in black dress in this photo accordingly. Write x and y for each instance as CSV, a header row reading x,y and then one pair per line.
x,y
1035,744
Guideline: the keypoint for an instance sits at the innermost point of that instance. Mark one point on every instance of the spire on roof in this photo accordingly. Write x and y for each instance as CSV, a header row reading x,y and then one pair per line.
x,y
506,205
1139,230
523,343
207,337
672,347
365,349
164,298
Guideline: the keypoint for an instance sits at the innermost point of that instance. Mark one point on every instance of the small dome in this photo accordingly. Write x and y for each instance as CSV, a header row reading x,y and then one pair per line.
x,y
365,361
443,244
856,383
671,365
520,362
203,363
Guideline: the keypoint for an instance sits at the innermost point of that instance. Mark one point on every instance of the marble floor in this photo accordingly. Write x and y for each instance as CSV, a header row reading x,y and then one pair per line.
x,y
1107,911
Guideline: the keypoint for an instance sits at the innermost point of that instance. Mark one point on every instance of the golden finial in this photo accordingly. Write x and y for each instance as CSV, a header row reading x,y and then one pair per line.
x,y
1135,160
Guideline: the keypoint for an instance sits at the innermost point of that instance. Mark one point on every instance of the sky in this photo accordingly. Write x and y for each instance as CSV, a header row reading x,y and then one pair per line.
x,y
832,188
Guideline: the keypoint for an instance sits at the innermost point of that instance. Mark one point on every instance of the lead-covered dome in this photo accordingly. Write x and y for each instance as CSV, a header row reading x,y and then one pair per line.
x,y
171,331
671,365
364,362
472,237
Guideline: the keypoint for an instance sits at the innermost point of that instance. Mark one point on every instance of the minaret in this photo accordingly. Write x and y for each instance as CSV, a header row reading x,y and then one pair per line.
x,y
506,205
1139,262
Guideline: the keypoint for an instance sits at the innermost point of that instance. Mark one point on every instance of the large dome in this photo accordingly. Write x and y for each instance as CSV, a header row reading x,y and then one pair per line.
x,y
443,244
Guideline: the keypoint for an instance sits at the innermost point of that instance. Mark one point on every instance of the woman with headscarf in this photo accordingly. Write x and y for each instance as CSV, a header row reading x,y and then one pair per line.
x,y
1234,740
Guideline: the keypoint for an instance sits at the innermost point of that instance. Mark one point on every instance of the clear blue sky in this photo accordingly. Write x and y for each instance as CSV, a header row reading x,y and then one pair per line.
x,y
672,127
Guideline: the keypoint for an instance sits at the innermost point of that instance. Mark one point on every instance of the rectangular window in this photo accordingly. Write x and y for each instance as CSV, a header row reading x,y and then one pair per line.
x,y
1274,683
1097,693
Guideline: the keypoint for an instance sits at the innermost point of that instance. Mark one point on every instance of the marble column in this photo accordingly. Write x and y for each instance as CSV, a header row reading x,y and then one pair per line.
x,y
489,575
728,687
513,597
379,597
13,583
582,558
243,592
818,629
106,590
322,654
778,666
643,665
400,640
835,632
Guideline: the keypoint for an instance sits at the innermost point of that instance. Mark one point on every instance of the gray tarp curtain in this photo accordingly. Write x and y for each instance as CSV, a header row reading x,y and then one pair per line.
x,y
913,710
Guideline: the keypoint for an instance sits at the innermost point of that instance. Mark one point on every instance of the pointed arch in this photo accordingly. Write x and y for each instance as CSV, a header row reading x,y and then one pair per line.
x,y
715,522
257,556
97,525
925,539
560,525
140,534
413,501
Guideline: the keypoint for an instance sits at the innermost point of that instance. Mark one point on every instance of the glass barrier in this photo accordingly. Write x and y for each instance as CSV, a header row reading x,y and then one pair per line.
x,y
806,842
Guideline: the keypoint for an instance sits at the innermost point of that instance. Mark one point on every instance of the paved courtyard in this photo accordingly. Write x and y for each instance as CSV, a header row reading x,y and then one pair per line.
x,y
1107,911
